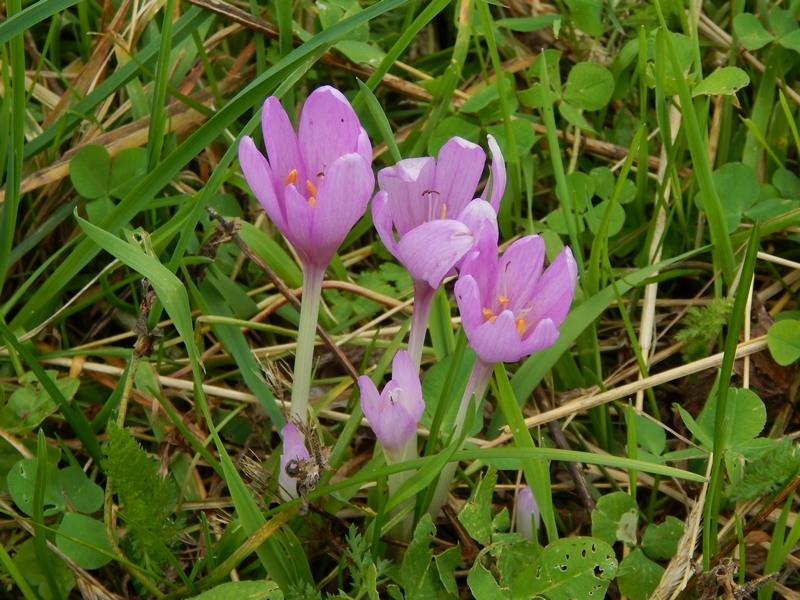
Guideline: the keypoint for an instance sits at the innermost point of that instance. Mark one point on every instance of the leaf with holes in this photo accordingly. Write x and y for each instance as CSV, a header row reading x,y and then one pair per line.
x,y
577,567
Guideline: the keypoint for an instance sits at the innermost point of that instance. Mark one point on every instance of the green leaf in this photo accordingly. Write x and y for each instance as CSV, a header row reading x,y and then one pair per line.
x,y
650,436
83,494
587,15
639,576
724,81
127,169
660,542
615,518
33,570
476,516
574,567
746,416
446,564
791,41
243,590
84,540
737,187
419,580
482,583
574,117
361,52
22,482
750,31
31,404
783,341
527,24
90,171
589,86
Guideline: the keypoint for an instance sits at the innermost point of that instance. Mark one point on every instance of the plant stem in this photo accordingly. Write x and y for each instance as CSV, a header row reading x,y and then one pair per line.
x,y
423,300
478,380
402,530
304,355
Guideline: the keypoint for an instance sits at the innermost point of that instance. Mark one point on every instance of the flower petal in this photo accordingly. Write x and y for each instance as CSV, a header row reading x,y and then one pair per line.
x,y
370,399
459,167
280,140
342,199
408,187
328,129
519,272
470,304
527,516
258,175
554,291
382,219
497,341
543,336
294,448
430,251
299,218
481,265
407,377
498,182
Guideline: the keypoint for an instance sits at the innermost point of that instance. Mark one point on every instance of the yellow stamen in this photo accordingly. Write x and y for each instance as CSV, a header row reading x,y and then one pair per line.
x,y
444,211
291,177
503,300
489,315
520,327
312,189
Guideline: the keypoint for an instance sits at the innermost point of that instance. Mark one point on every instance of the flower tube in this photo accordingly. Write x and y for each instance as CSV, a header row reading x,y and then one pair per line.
x,y
527,513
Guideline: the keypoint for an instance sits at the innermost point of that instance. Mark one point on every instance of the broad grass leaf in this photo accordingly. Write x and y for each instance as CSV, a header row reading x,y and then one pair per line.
x,y
84,540
574,567
750,31
725,81
783,340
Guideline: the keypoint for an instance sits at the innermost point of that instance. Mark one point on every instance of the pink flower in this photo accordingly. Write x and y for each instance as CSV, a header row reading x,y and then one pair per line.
x,y
511,307
527,516
294,448
395,413
315,184
426,212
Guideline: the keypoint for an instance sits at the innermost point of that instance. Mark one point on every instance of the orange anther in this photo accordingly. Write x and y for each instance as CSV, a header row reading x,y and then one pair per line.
x,y
312,189
312,202
444,211
489,315
503,300
520,327
291,177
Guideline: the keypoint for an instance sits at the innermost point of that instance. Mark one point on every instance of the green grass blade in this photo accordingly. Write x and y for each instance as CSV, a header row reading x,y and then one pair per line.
x,y
19,22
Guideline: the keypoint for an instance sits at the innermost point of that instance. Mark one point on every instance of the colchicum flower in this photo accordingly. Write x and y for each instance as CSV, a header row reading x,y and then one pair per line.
x,y
425,213
428,217
315,184
527,516
394,413
294,448
512,307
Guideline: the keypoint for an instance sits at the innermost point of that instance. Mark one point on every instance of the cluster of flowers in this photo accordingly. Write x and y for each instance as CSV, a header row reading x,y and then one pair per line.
x,y
316,183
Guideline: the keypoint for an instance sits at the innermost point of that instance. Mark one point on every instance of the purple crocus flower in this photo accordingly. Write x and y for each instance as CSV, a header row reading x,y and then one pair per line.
x,y
394,413
512,307
425,213
527,516
314,184
294,448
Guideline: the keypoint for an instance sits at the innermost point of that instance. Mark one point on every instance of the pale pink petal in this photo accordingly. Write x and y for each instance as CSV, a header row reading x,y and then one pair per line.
x,y
430,251
382,219
459,167
554,291
543,336
407,377
370,399
498,180
470,304
519,271
258,175
408,187
280,140
342,199
527,516
328,129
299,217
497,341
364,146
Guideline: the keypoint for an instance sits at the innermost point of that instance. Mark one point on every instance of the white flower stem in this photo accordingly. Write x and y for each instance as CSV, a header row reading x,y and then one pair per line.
x,y
423,300
478,380
306,332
